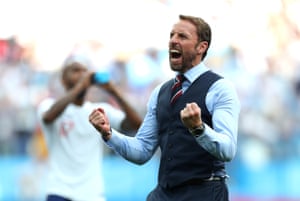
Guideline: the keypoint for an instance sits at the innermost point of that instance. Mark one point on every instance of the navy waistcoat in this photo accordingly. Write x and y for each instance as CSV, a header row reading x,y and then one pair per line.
x,y
182,158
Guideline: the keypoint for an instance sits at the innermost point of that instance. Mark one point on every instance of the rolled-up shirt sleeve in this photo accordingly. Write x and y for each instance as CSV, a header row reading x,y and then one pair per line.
x,y
223,104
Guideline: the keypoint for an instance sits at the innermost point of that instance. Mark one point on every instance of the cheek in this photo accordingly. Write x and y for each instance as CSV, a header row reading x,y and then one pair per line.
x,y
189,47
191,50
77,76
73,80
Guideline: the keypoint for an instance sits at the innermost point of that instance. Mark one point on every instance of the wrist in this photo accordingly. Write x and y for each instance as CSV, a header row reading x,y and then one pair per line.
x,y
198,131
106,135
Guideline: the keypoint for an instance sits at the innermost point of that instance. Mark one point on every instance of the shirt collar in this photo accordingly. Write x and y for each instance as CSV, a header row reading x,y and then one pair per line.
x,y
192,74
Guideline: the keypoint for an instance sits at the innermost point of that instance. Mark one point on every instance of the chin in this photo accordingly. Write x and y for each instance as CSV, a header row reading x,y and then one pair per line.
x,y
176,67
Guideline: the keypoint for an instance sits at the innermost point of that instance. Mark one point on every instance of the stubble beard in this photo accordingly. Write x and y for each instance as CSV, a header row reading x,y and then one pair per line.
x,y
187,63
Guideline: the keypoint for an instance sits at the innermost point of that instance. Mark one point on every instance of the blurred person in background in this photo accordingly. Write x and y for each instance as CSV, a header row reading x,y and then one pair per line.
x,y
75,150
196,134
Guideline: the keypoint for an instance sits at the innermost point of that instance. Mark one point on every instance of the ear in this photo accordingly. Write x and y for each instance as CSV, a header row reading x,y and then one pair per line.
x,y
202,47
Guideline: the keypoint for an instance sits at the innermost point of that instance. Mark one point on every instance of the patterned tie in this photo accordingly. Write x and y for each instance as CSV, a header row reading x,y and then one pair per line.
x,y
177,88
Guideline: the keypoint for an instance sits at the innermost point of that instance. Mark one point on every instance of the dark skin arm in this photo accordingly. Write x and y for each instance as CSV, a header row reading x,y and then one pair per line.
x,y
71,96
132,120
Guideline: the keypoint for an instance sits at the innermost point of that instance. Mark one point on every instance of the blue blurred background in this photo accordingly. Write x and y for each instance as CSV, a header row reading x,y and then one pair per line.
x,y
256,45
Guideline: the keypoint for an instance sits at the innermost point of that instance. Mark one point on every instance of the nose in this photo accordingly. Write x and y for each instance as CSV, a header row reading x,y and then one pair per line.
x,y
173,41
83,70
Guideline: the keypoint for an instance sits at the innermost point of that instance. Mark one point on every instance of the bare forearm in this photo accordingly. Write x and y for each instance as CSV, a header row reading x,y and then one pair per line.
x,y
59,106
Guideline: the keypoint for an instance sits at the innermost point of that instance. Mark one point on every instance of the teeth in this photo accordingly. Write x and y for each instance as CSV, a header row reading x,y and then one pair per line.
x,y
174,51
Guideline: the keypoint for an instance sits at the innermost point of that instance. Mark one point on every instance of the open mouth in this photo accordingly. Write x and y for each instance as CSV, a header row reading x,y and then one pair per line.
x,y
175,54
175,57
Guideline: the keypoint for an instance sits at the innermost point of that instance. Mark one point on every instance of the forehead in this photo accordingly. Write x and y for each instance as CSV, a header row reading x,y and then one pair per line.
x,y
74,66
184,26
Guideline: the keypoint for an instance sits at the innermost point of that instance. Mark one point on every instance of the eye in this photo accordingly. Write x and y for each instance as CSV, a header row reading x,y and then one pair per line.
x,y
171,35
183,36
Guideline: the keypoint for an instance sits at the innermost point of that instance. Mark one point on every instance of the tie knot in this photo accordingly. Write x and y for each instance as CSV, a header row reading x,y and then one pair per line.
x,y
180,78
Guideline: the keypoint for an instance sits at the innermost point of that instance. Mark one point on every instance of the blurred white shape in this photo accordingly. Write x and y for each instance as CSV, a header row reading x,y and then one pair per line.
x,y
56,26
255,154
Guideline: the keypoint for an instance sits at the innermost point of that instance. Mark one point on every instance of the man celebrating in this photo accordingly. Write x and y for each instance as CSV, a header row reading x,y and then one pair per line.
x,y
192,119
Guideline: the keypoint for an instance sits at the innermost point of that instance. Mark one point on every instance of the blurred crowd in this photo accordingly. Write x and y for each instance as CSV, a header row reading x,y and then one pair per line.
x,y
258,53
255,45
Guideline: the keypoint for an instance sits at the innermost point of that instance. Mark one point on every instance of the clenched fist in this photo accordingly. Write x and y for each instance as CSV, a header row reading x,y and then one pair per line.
x,y
191,116
100,121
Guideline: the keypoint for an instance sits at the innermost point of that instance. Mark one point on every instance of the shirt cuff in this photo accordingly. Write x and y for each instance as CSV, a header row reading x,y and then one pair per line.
x,y
114,138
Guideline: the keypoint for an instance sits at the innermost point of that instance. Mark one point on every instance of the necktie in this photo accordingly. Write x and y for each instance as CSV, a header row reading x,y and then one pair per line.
x,y
177,88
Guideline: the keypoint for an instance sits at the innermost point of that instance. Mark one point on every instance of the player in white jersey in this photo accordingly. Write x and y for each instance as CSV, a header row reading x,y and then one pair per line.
x,y
75,150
